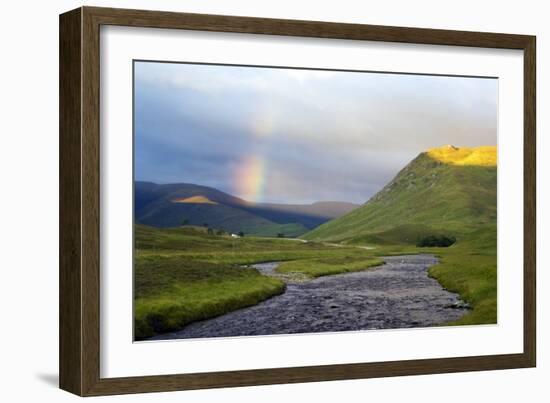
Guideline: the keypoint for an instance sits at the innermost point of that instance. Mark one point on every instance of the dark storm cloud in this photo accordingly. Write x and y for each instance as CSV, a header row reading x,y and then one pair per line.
x,y
314,135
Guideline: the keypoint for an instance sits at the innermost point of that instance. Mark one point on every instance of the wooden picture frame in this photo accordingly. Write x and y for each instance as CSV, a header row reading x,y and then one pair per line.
x,y
79,346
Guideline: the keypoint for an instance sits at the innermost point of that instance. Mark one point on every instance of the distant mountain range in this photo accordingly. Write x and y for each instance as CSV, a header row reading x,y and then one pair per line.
x,y
445,190
173,205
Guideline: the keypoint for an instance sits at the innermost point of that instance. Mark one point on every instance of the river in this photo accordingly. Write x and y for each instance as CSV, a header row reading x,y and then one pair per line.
x,y
397,294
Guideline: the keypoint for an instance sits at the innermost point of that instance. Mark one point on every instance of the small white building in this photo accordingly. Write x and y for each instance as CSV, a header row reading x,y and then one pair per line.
x,y
235,236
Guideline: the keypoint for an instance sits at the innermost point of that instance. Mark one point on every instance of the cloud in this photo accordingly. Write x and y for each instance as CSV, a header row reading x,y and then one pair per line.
x,y
320,135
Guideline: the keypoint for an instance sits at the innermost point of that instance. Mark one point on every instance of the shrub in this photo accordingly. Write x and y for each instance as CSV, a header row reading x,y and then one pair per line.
x,y
436,240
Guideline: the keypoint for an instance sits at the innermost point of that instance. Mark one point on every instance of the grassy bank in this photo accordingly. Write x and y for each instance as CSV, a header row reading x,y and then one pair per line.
x,y
470,269
171,292
328,266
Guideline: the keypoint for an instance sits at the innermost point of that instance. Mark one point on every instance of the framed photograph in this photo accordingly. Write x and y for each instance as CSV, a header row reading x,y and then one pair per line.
x,y
248,201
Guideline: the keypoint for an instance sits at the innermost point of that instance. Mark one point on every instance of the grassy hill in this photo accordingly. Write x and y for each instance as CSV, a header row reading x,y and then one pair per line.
x,y
445,190
218,216
166,206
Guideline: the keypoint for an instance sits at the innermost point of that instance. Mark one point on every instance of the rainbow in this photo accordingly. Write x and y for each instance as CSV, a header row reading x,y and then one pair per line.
x,y
250,171
248,177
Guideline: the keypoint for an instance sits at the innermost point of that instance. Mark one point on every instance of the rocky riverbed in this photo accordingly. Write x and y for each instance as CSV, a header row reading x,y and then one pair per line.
x,y
397,294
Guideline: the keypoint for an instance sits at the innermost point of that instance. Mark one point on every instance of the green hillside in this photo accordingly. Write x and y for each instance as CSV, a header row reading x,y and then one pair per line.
x,y
445,190
218,216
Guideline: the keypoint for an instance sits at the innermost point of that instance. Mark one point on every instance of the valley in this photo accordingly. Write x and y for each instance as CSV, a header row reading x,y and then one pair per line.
x,y
199,254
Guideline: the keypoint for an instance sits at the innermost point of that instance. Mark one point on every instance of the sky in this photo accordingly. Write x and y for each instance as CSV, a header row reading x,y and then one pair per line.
x,y
296,135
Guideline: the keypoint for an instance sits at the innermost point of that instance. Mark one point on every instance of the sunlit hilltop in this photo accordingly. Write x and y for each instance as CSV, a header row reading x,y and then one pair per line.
x,y
481,156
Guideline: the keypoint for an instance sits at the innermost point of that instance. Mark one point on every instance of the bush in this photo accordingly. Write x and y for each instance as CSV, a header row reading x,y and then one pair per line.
x,y
436,240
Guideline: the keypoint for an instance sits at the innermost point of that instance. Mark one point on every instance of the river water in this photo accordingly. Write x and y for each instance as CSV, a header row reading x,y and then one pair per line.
x,y
397,294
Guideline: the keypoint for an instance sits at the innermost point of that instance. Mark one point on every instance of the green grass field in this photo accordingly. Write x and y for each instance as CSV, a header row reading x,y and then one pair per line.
x,y
185,274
